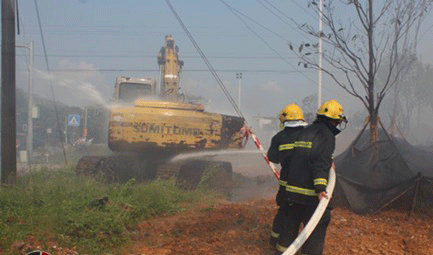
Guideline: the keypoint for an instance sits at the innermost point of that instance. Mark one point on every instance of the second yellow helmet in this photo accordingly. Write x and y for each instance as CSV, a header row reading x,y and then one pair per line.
x,y
291,112
332,109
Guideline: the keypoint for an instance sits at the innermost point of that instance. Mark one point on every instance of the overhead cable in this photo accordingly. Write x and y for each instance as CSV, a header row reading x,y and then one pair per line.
x,y
51,84
208,64
151,57
235,12
183,70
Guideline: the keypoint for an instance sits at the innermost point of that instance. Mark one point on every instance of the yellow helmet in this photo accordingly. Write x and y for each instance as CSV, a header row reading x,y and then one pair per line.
x,y
291,112
332,109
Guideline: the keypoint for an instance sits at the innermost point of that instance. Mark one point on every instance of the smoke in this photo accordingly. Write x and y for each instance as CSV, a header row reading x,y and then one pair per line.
x,y
272,87
214,98
78,88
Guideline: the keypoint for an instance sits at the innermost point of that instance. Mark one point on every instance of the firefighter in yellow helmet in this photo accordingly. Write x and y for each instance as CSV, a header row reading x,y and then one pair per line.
x,y
304,179
292,122
334,112
291,116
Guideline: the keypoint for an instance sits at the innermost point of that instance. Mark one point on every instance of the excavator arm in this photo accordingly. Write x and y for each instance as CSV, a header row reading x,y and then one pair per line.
x,y
170,67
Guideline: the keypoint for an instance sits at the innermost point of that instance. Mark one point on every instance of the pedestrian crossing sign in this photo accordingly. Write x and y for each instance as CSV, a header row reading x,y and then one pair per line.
x,y
74,120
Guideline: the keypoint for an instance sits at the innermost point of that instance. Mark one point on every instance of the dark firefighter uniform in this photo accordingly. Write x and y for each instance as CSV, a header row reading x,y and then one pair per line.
x,y
302,178
280,151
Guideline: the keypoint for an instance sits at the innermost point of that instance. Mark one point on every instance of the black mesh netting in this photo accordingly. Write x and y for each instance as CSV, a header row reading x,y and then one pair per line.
x,y
391,173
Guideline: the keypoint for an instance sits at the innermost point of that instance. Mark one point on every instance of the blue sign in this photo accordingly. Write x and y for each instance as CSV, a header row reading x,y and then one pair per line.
x,y
74,120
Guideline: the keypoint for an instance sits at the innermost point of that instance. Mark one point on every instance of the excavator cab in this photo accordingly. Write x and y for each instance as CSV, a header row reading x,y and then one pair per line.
x,y
127,89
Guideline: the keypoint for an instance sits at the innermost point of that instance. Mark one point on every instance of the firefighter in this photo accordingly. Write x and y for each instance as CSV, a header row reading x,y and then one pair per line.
x,y
291,122
306,177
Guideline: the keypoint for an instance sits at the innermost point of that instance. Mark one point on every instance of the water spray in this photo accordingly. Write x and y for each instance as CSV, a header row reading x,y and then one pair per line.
x,y
85,88
185,156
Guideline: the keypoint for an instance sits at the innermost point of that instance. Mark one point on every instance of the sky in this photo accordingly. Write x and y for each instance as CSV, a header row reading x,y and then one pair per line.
x,y
90,42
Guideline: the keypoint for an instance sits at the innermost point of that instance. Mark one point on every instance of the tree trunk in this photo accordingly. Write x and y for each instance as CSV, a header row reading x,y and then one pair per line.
x,y
371,100
393,127
374,133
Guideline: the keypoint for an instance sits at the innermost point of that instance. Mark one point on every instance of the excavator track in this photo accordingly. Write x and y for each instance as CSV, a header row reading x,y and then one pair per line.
x,y
118,168
215,175
168,170
87,165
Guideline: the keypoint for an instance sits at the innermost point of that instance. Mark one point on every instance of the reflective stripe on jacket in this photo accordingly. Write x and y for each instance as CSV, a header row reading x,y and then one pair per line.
x,y
280,151
306,174
282,144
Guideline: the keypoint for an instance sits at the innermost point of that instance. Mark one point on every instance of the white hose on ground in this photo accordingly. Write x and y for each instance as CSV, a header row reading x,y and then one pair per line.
x,y
312,223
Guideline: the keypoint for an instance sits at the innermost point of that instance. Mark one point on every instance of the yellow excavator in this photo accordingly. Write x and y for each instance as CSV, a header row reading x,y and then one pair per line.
x,y
149,124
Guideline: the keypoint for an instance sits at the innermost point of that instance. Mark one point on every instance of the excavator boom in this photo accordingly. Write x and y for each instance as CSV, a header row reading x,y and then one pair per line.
x,y
170,67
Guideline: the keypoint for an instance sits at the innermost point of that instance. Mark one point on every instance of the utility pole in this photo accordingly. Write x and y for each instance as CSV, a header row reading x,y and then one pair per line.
x,y
8,93
85,124
319,85
239,78
29,140
66,130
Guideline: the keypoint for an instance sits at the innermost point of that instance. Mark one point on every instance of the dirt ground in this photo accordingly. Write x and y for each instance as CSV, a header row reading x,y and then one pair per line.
x,y
243,228
227,228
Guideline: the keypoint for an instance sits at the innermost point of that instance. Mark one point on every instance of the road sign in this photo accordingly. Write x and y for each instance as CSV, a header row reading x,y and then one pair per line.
x,y
74,120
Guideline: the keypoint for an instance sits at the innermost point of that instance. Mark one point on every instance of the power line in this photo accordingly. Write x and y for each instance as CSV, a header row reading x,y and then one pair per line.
x,y
285,15
51,85
184,70
273,13
150,57
307,12
215,75
42,36
235,12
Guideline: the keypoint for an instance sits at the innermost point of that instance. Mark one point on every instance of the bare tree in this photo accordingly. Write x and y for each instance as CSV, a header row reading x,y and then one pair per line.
x,y
405,99
382,37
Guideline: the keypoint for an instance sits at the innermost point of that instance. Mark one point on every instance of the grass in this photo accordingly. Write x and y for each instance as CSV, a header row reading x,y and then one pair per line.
x,y
83,212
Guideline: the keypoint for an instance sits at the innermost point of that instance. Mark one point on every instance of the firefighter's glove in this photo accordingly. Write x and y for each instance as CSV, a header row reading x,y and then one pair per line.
x,y
322,194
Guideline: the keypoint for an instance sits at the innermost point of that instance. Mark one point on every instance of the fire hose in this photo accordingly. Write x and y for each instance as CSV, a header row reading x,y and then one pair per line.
x,y
321,207
248,132
314,220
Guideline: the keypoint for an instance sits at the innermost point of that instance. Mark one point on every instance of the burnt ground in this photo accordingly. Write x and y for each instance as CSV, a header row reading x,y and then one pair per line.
x,y
243,227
